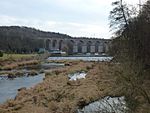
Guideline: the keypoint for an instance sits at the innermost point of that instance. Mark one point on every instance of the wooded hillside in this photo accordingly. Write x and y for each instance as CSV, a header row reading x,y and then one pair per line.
x,y
23,39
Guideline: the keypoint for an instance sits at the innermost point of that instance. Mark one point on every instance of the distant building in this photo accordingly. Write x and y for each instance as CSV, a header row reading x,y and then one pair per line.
x,y
57,52
41,50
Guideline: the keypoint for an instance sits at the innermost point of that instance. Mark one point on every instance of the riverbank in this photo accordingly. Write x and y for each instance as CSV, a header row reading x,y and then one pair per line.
x,y
58,95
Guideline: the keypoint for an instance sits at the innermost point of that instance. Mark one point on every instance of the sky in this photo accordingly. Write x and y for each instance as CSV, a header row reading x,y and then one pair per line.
x,y
86,18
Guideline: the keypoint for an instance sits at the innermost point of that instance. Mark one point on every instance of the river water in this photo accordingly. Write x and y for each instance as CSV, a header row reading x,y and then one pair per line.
x,y
106,105
76,76
82,58
9,88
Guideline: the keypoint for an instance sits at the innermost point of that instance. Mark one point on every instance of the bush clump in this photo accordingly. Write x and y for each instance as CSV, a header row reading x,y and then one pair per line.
x,y
1,54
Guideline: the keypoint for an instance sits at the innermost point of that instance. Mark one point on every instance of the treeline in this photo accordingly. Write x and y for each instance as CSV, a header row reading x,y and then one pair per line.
x,y
133,34
131,48
23,39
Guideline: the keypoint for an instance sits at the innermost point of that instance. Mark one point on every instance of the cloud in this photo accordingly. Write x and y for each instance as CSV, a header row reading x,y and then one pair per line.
x,y
73,29
73,17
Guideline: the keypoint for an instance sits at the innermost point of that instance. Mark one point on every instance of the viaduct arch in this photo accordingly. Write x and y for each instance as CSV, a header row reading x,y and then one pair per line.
x,y
78,45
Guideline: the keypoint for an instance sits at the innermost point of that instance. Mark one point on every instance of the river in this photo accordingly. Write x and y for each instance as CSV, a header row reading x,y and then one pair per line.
x,y
82,58
9,88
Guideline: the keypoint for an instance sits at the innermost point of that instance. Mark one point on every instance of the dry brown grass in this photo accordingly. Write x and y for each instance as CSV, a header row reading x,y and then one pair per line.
x,y
58,95
13,65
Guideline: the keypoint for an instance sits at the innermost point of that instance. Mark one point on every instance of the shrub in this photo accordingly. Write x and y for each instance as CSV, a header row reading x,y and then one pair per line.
x,y
1,54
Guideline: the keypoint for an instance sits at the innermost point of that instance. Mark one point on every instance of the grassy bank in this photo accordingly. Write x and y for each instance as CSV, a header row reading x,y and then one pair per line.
x,y
16,64
12,61
16,56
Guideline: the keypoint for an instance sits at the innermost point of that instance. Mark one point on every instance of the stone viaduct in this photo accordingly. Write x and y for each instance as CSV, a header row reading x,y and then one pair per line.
x,y
78,45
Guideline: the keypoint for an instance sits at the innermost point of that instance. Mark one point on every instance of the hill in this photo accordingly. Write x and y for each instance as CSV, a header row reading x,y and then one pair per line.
x,y
24,39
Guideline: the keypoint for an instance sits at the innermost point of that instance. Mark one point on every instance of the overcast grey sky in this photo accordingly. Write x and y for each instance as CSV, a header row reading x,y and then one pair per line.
x,y
73,17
